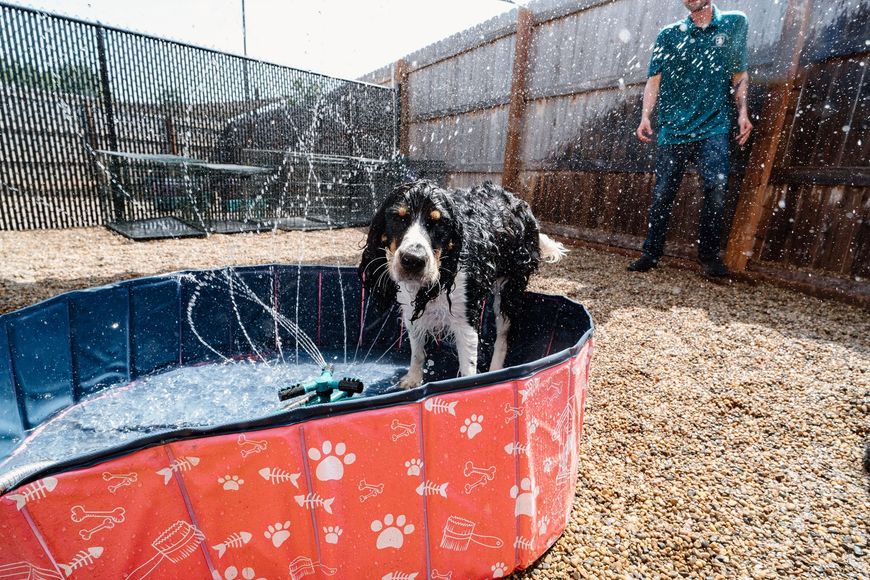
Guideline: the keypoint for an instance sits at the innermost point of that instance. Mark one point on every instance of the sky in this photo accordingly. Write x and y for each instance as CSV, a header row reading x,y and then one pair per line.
x,y
343,38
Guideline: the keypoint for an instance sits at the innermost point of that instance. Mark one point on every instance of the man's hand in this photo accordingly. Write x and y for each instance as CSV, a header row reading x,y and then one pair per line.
x,y
745,127
740,84
645,132
650,96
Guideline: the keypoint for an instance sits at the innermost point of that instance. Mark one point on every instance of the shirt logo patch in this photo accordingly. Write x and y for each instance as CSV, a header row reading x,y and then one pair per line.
x,y
720,39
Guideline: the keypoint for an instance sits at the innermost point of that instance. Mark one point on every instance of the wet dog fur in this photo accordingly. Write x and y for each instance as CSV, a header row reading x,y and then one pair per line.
x,y
439,253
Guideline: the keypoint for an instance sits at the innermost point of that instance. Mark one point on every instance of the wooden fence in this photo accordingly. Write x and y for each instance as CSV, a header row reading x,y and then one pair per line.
x,y
545,100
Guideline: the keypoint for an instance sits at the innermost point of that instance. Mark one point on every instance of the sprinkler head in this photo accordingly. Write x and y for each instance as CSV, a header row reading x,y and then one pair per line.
x,y
350,386
291,392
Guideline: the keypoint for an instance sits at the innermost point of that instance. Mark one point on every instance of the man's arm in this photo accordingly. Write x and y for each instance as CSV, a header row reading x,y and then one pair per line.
x,y
650,96
740,87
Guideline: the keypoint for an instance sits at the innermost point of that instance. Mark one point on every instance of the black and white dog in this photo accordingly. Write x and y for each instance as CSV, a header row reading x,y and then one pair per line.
x,y
440,253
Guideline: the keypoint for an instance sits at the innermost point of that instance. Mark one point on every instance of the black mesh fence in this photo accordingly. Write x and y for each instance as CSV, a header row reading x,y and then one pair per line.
x,y
99,126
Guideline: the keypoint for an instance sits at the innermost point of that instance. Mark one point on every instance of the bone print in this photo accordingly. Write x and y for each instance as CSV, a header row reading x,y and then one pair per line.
x,y
78,513
107,476
370,490
250,446
470,469
402,430
513,412
486,475
123,483
107,524
469,487
125,480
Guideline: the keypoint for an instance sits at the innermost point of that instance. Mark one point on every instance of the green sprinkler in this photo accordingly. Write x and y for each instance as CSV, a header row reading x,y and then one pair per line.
x,y
324,388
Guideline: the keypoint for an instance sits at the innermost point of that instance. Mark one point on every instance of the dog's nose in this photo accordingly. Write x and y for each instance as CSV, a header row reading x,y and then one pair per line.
x,y
413,260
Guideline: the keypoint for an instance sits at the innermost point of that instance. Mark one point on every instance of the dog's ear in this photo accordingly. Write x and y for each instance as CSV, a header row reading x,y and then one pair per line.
x,y
372,269
451,253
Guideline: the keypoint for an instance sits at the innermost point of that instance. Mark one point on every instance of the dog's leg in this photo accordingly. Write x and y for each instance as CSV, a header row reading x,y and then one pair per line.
x,y
502,326
418,356
506,306
466,347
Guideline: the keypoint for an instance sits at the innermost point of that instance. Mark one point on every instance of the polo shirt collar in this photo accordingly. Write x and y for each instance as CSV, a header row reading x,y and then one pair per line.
x,y
717,19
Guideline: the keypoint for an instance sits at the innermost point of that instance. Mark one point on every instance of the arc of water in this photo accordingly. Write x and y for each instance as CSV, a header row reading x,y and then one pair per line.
x,y
239,315
302,339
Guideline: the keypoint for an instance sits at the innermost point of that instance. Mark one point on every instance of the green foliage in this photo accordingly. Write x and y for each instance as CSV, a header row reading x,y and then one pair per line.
x,y
68,78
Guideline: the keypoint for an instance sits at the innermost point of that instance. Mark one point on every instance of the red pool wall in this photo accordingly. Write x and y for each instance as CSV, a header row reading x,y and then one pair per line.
x,y
396,493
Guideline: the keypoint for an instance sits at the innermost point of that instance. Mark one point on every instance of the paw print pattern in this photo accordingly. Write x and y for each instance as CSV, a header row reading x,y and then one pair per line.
x,y
472,426
498,570
542,525
278,533
389,535
414,466
332,534
526,500
232,573
331,466
231,482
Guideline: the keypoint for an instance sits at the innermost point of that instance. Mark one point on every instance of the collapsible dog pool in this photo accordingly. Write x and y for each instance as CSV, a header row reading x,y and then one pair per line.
x,y
141,435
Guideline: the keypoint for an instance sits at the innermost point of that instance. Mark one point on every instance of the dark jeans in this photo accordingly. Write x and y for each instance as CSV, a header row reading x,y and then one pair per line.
x,y
712,157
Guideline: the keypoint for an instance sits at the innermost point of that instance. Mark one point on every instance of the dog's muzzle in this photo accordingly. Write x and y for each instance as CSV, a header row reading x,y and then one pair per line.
x,y
413,260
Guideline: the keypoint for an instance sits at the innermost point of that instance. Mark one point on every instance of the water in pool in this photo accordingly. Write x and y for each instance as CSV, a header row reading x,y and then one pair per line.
x,y
197,396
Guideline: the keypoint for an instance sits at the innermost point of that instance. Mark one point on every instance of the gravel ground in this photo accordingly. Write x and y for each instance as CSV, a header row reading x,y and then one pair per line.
x,y
725,422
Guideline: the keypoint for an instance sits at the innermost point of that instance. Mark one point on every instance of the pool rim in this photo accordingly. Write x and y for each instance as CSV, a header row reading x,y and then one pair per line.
x,y
300,414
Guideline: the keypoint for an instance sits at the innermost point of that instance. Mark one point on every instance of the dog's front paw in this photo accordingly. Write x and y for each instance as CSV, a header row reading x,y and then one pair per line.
x,y
411,380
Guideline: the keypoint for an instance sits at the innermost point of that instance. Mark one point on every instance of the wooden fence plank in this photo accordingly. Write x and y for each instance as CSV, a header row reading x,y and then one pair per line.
x,y
517,106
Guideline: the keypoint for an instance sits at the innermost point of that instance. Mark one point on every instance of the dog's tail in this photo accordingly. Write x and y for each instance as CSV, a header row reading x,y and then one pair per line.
x,y
551,250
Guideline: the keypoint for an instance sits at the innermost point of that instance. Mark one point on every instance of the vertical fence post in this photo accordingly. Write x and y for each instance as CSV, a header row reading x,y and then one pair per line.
x,y
402,74
517,107
117,197
171,135
751,205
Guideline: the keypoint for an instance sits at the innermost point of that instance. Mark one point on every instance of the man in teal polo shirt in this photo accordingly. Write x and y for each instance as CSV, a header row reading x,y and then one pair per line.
x,y
698,72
